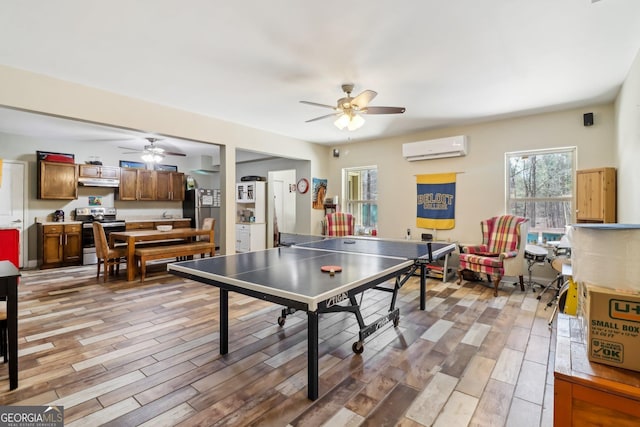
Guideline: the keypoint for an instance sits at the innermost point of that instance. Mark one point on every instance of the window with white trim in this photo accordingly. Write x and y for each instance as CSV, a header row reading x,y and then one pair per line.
x,y
360,193
541,186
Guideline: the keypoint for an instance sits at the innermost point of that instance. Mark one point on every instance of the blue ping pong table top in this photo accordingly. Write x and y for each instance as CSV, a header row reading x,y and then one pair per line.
x,y
400,248
293,272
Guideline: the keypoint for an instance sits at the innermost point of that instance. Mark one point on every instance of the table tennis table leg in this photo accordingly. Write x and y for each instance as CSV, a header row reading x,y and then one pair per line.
x,y
312,354
224,321
423,286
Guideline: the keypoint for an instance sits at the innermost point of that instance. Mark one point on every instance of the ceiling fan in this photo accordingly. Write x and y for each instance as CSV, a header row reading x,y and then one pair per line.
x,y
152,152
348,109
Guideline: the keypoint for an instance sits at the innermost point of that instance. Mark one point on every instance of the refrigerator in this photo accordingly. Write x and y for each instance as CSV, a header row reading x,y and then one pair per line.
x,y
201,203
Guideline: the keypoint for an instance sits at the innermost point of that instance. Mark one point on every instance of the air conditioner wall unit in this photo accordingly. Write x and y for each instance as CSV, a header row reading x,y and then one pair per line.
x,y
453,146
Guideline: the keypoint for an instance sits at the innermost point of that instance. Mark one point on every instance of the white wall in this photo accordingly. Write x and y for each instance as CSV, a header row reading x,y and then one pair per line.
x,y
33,92
628,147
481,179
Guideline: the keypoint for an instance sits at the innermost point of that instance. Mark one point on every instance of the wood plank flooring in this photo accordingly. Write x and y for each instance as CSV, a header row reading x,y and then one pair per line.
x,y
132,354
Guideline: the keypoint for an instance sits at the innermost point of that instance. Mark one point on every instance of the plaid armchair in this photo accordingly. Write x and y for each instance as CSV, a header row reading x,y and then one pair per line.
x,y
502,250
339,224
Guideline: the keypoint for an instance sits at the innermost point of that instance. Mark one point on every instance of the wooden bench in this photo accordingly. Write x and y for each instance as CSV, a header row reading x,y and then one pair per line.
x,y
149,253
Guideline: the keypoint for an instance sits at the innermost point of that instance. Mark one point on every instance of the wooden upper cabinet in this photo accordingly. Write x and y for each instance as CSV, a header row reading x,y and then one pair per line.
x,y
57,180
99,171
177,186
163,185
596,195
142,184
128,189
146,184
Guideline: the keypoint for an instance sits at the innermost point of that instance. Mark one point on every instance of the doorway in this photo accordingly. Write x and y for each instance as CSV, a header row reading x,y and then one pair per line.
x,y
281,204
13,191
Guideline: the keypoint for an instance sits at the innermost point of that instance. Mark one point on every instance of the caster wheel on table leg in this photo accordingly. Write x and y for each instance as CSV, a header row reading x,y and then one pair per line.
x,y
281,321
357,347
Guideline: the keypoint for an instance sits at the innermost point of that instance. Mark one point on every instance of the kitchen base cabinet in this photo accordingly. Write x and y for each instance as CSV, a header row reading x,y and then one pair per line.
x,y
250,237
59,245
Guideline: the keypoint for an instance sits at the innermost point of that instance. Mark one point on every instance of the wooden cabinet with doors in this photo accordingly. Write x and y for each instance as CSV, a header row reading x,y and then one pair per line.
x,y
57,180
143,184
137,184
169,185
60,245
99,171
596,195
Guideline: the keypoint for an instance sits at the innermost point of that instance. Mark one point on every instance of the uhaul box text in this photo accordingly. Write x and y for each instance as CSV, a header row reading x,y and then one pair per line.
x,y
611,325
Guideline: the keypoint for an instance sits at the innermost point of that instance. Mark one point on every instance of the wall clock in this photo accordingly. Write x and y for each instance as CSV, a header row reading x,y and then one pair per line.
x,y
303,185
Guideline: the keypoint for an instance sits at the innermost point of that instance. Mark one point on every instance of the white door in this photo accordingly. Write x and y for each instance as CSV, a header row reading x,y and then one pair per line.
x,y
13,185
282,203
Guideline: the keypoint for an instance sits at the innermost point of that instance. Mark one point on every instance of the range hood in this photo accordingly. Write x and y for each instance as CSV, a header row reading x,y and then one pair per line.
x,y
207,166
98,182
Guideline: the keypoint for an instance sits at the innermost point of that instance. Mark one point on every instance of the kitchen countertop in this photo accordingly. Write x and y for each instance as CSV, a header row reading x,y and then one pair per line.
x,y
45,222
154,219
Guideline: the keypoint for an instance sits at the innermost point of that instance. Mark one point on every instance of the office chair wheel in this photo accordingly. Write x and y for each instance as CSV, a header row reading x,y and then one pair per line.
x,y
357,347
281,320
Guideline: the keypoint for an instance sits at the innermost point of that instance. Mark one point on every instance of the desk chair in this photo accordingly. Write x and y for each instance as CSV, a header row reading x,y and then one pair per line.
x,y
501,252
110,257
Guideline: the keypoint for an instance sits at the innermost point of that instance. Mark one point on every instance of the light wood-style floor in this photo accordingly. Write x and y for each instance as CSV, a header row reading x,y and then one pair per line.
x,y
128,354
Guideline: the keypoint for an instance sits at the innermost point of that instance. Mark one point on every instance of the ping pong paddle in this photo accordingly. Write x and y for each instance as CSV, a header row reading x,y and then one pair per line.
x,y
331,269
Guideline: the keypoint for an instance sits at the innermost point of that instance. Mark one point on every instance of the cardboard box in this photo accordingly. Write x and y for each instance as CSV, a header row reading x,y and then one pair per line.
x,y
610,322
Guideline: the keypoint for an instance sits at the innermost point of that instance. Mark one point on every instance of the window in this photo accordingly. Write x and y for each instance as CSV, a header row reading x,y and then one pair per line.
x,y
361,196
540,186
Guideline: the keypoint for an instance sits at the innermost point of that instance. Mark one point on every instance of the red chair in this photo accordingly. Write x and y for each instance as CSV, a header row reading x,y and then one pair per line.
x,y
501,253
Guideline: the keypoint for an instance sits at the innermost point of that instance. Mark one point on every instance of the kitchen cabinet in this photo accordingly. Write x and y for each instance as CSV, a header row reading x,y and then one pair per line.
x,y
169,185
60,245
252,195
137,184
250,237
152,224
57,180
99,171
596,195
146,185
139,225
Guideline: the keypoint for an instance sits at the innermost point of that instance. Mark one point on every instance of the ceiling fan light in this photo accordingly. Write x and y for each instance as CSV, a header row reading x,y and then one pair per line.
x,y
342,121
152,157
355,123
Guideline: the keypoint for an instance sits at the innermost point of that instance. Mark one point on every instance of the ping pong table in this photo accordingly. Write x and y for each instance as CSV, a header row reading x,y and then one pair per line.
x,y
291,276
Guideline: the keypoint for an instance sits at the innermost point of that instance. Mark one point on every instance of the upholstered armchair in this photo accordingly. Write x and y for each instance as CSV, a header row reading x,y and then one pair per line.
x,y
339,224
502,250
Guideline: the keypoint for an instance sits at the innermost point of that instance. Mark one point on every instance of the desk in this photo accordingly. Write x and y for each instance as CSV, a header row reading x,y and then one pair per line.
x,y
291,276
133,236
9,275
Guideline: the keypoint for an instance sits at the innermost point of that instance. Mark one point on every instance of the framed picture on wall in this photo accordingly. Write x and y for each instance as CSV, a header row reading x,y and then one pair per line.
x,y
170,168
134,165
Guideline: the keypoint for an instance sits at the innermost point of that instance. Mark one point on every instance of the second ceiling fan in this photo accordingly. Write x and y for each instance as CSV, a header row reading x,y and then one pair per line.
x,y
348,109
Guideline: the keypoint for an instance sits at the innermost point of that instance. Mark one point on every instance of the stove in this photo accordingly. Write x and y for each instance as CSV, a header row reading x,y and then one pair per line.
x,y
89,215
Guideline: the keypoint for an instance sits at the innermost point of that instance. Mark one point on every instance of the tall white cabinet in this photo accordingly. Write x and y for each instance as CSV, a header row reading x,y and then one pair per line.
x,y
251,227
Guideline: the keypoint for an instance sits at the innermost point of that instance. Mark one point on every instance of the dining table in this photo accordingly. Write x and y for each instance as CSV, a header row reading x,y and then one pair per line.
x,y
133,237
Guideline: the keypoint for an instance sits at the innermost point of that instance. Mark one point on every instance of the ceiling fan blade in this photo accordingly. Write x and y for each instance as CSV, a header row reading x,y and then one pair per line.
x,y
383,110
324,117
364,98
134,150
319,105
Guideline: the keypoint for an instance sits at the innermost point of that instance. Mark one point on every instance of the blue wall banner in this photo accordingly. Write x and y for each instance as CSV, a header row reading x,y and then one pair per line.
x,y
436,201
